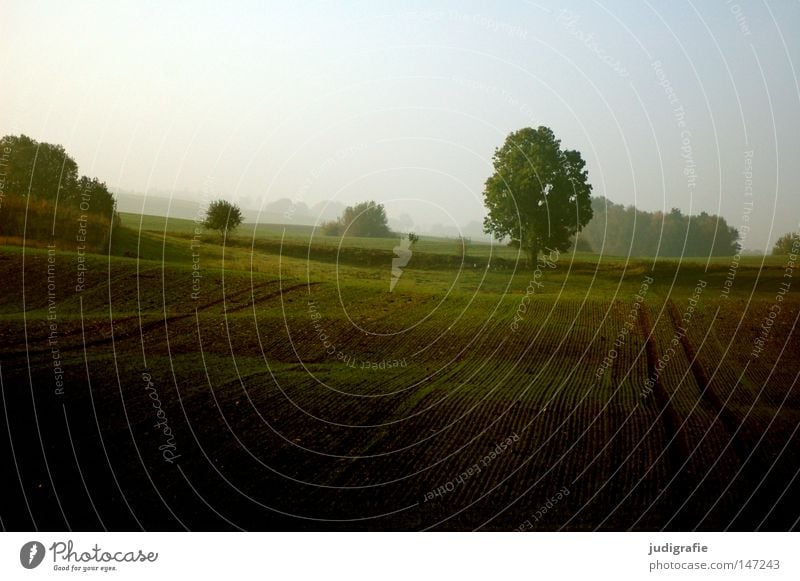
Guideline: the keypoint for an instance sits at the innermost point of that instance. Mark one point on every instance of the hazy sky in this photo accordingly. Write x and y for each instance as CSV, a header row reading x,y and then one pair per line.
x,y
405,102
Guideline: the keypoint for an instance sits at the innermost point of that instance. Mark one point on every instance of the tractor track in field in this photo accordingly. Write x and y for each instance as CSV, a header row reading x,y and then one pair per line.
x,y
152,325
707,392
751,471
678,448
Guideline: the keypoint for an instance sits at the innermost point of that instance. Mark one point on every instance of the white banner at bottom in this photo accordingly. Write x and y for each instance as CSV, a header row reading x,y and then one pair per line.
x,y
380,556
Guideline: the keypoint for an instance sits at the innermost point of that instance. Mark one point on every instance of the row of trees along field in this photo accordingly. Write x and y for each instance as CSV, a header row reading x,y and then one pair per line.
x,y
539,197
621,230
44,197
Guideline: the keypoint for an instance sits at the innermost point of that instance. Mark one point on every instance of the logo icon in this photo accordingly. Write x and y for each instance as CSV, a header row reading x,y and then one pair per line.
x,y
31,554
403,254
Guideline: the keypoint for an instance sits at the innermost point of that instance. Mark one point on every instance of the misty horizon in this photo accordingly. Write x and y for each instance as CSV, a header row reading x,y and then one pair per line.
x,y
407,105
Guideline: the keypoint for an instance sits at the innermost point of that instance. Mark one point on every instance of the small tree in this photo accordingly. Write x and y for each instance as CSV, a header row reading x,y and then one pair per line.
x,y
785,243
365,219
413,238
223,216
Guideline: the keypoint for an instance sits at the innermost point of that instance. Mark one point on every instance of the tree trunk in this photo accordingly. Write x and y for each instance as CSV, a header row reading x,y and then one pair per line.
x,y
533,254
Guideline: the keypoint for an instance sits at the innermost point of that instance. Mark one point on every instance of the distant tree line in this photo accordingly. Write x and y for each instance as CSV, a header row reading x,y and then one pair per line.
x,y
41,181
789,243
621,230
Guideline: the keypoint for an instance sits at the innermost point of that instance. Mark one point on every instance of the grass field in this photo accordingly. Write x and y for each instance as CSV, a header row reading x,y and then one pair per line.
x,y
275,382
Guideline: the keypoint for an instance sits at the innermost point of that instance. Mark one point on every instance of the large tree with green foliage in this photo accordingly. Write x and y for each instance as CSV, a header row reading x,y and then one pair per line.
x,y
365,219
43,170
223,216
538,195
45,197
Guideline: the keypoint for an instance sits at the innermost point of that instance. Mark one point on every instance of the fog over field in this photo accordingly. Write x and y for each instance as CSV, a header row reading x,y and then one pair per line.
x,y
405,103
